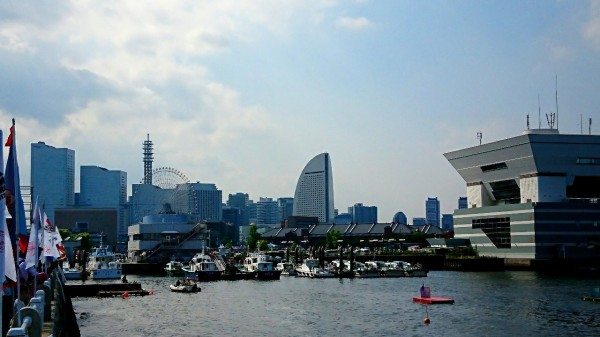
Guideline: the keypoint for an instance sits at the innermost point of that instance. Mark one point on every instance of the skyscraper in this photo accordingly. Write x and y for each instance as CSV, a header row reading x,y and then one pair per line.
x,y
314,190
432,211
100,187
52,177
363,214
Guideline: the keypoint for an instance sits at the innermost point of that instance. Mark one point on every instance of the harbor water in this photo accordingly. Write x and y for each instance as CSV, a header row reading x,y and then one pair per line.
x,y
507,303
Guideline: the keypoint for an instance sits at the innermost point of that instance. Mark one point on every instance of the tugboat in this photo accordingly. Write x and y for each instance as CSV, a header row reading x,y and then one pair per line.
x,y
102,264
260,264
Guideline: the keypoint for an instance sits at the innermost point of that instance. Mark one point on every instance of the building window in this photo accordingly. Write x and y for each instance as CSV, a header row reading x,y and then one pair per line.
x,y
496,229
493,167
588,161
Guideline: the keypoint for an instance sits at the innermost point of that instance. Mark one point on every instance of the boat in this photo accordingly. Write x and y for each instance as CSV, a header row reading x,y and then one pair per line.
x,y
310,268
369,269
174,268
184,286
263,268
234,273
287,269
205,268
71,273
102,264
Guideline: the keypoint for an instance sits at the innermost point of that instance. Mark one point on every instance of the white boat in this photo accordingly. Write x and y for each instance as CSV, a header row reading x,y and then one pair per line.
x,y
263,268
204,268
310,268
70,273
287,268
174,268
102,265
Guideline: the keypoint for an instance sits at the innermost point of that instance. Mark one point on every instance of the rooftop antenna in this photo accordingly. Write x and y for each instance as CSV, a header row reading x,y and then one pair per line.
x,y
148,160
527,121
550,118
479,136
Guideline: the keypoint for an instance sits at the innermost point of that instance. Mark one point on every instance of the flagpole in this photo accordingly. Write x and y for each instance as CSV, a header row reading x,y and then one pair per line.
x,y
16,199
37,246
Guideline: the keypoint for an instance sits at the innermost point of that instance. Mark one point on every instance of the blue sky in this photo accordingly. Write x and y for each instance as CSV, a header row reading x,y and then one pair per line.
x,y
243,94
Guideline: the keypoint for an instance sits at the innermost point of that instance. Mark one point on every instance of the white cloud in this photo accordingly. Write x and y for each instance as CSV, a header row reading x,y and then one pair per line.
x,y
353,23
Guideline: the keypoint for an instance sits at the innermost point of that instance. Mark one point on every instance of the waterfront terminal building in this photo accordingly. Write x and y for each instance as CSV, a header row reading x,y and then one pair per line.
x,y
533,198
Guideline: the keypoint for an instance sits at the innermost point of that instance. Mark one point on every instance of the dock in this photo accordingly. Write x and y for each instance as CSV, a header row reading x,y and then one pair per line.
x,y
101,289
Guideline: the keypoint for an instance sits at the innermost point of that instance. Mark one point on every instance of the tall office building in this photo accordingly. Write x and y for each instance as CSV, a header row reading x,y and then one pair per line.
x,y
264,212
102,188
447,222
240,201
432,211
363,214
52,177
314,190
462,203
286,208
206,201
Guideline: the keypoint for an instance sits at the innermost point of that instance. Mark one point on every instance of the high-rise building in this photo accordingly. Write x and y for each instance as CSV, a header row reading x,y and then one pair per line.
x,y
462,203
286,208
52,177
432,211
240,201
418,221
102,188
206,201
264,212
314,190
363,214
447,222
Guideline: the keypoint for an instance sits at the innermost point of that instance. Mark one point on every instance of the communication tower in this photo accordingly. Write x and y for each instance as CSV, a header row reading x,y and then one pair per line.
x,y
148,160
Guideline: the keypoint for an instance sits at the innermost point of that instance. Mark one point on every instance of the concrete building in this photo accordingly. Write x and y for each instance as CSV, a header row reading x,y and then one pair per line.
x,y
447,222
102,188
52,177
286,208
206,201
240,201
101,221
462,203
400,218
532,197
314,190
264,212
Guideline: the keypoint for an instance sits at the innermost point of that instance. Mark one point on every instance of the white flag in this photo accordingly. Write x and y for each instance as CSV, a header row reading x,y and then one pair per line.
x,y
32,247
51,238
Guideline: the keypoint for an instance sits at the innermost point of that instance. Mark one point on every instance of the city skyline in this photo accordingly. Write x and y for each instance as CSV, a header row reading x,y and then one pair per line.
x,y
244,94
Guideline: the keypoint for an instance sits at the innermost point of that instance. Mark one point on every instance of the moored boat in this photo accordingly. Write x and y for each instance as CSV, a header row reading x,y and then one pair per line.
x,y
310,268
174,268
259,264
102,265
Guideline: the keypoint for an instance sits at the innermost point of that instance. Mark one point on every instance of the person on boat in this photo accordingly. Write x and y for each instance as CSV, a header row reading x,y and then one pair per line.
x,y
124,279
177,283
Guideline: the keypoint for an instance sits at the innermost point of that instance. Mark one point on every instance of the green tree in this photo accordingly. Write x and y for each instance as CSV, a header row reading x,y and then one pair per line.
x,y
332,237
86,241
64,233
263,245
253,237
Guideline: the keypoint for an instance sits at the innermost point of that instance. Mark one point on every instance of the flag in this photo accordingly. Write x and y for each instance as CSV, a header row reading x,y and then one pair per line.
x,y
7,262
15,205
34,242
53,247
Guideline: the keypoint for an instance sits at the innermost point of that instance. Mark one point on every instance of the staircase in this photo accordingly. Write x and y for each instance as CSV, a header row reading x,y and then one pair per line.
x,y
188,236
219,262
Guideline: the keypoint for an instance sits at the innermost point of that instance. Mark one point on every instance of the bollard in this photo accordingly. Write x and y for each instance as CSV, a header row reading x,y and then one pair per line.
x,y
31,325
47,301
37,303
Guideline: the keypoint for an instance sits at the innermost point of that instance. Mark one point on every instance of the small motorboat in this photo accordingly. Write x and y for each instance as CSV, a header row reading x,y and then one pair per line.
x,y
185,286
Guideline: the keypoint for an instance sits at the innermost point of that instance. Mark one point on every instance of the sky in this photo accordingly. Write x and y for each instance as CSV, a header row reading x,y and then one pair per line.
x,y
243,94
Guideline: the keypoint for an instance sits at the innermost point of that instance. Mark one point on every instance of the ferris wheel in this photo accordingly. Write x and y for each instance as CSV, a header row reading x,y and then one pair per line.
x,y
168,178
173,193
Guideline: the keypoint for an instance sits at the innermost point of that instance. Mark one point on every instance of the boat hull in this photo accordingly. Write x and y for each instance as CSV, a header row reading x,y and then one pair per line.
x,y
184,288
267,275
105,274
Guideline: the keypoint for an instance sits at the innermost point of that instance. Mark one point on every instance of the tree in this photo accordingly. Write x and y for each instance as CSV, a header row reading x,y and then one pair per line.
x,y
253,237
332,237
86,241
64,233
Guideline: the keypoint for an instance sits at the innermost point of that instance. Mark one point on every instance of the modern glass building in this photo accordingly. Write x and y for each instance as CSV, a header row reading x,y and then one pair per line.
x,y
432,211
363,214
52,177
314,190
531,197
102,188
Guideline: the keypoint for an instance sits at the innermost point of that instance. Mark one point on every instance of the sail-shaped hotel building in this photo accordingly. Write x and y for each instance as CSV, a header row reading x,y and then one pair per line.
x,y
314,190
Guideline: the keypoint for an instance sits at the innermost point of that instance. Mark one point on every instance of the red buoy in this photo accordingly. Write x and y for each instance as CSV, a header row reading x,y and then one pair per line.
x,y
426,320
125,295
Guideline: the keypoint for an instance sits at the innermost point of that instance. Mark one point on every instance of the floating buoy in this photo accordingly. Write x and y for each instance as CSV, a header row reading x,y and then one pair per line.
x,y
125,295
150,292
426,320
